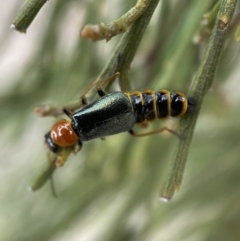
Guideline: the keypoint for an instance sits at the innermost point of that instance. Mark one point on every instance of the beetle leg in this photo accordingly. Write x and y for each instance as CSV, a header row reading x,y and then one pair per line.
x,y
100,91
133,133
68,112
83,96
79,147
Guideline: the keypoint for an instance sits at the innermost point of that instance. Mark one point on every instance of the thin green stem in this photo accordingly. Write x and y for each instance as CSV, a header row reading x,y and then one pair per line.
x,y
44,175
107,31
202,82
27,14
47,171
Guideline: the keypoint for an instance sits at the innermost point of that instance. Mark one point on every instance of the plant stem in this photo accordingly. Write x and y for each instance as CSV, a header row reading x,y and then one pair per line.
x,y
107,31
202,82
27,14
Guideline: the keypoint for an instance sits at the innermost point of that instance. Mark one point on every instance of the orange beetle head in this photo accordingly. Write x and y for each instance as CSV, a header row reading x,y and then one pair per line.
x,y
62,134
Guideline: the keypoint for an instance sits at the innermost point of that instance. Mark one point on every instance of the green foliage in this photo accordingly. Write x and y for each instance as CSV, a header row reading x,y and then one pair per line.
x,y
110,190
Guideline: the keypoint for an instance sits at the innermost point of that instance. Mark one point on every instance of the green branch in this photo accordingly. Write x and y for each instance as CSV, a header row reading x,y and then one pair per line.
x,y
47,171
202,82
107,31
27,14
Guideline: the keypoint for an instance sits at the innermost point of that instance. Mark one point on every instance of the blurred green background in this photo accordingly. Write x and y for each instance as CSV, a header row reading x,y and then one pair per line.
x,y
110,190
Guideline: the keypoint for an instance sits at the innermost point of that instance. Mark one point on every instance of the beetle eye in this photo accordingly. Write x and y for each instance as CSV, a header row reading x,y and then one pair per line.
x,y
51,145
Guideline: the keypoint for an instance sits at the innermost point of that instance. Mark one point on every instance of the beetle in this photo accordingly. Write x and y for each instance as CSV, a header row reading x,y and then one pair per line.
x,y
115,113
